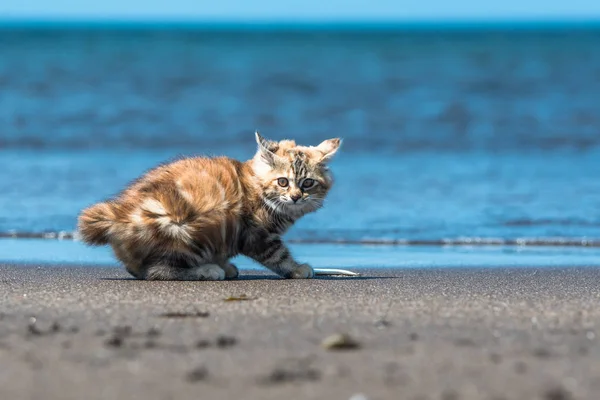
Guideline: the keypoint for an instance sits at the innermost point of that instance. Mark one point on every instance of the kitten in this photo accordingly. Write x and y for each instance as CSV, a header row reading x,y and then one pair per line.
x,y
186,219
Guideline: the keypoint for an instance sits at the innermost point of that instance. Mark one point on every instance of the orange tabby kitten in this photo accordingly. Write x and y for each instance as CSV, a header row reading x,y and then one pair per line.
x,y
186,219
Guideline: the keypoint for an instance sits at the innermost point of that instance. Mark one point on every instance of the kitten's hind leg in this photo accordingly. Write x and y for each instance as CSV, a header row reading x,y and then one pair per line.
x,y
231,271
165,272
179,267
209,272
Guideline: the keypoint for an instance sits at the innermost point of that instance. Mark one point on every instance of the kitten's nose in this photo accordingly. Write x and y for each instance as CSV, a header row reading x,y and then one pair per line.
x,y
296,196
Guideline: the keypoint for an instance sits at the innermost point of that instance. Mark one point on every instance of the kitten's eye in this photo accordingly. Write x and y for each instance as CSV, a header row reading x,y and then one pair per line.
x,y
308,183
283,182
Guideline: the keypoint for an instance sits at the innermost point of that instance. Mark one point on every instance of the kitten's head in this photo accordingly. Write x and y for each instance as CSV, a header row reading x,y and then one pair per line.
x,y
294,179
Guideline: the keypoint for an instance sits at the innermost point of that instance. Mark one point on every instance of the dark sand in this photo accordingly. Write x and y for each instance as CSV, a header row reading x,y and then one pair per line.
x,y
424,334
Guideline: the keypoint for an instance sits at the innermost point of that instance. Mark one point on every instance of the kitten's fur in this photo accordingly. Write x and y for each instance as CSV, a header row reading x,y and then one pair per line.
x,y
185,220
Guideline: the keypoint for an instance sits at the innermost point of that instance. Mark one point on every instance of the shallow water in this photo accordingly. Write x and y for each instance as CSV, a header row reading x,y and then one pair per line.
x,y
448,135
353,257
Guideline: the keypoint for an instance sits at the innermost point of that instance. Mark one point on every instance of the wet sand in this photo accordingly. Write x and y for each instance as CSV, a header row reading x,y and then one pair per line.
x,y
470,333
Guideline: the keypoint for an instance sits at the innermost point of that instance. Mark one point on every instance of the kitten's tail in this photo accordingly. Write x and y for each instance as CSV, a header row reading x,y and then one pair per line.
x,y
95,222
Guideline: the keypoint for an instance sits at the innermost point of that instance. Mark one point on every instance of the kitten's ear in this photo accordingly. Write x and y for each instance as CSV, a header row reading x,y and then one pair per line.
x,y
329,147
261,141
266,148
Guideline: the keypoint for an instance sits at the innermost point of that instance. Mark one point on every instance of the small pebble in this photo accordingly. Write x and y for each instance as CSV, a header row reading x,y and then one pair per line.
x,y
241,297
279,375
73,329
153,332
495,358
382,324
464,342
197,374
226,341
557,393
202,344
32,328
542,353
520,367
114,341
449,395
177,314
340,342
122,331
284,375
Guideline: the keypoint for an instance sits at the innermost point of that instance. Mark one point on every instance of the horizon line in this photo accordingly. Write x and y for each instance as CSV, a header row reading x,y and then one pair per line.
x,y
142,23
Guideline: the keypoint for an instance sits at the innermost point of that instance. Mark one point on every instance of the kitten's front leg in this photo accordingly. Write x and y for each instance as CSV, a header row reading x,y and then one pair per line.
x,y
269,250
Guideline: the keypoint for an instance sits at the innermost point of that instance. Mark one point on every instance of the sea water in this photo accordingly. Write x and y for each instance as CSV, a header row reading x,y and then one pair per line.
x,y
451,136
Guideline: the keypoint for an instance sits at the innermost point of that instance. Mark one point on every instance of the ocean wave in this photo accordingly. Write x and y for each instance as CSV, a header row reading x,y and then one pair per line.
x,y
374,241
107,140
525,222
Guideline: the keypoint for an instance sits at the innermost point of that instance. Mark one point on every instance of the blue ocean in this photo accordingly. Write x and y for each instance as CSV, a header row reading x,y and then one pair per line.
x,y
486,136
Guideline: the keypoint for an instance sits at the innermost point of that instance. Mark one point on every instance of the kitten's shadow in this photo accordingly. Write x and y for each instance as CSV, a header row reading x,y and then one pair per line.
x,y
317,278
258,277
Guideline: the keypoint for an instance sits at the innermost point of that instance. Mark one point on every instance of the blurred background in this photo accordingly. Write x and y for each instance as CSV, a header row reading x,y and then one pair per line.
x,y
463,121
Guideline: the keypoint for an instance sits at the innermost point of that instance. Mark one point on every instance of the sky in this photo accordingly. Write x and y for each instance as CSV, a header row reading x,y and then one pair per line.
x,y
300,9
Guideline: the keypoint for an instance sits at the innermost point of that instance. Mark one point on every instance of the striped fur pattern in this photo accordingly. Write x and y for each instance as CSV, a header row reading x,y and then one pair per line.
x,y
186,219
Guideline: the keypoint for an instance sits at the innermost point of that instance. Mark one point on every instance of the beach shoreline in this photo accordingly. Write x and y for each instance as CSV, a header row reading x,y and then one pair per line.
x,y
430,333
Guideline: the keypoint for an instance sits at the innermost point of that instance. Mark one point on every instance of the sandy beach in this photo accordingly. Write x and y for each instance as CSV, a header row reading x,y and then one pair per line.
x,y
470,333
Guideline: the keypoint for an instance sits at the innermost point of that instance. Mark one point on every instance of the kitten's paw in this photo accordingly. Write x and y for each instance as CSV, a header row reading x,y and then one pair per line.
x,y
303,271
210,272
231,271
